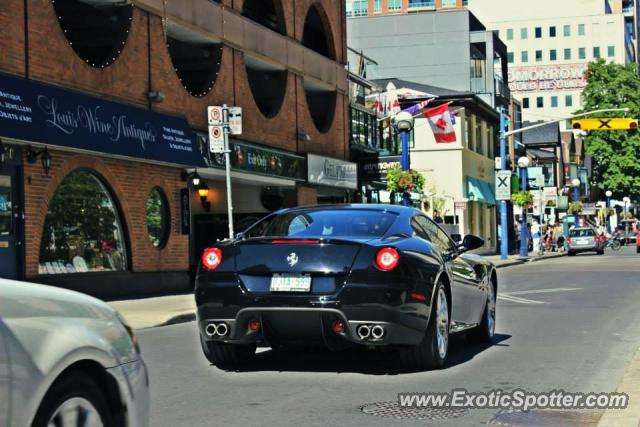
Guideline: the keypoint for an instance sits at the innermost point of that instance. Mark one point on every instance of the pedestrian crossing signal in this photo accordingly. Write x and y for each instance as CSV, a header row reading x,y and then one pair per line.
x,y
605,124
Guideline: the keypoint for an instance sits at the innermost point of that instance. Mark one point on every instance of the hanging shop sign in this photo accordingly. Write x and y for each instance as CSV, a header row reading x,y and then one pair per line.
x,y
331,172
251,158
40,113
376,168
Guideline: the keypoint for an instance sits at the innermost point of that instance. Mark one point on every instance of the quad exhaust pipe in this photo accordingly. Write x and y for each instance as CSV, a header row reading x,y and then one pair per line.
x,y
216,329
371,332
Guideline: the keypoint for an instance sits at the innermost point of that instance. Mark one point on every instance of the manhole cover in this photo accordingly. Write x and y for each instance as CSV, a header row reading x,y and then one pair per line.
x,y
394,410
550,418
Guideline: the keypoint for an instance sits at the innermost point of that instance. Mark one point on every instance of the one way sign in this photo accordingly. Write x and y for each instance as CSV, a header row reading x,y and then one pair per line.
x,y
503,185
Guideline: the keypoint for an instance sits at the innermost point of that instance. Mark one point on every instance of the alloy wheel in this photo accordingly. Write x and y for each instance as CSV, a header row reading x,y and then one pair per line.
x,y
442,324
491,310
76,412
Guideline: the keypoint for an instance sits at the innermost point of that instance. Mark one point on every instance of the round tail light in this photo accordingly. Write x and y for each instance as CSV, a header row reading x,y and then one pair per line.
x,y
387,259
211,258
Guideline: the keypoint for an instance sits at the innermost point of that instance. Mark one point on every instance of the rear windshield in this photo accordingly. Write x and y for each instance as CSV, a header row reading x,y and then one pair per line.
x,y
325,223
582,233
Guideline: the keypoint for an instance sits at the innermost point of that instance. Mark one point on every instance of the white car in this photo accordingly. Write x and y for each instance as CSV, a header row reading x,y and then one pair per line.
x,y
67,359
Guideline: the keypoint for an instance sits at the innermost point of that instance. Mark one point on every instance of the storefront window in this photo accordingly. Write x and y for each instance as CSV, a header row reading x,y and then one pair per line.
x,y
5,205
157,218
82,231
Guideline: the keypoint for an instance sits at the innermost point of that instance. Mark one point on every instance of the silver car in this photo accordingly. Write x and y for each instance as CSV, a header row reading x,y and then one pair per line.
x,y
584,239
67,359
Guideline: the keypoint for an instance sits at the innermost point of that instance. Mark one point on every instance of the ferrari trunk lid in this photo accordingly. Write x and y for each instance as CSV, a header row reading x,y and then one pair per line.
x,y
296,256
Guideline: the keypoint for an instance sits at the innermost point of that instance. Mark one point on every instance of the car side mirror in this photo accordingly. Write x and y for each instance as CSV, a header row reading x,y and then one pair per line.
x,y
471,242
240,236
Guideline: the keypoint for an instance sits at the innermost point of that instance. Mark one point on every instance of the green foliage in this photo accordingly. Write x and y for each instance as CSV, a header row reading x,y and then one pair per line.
x,y
399,181
616,154
575,208
522,198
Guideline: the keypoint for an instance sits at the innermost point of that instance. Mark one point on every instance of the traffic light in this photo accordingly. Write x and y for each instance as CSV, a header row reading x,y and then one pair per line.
x,y
605,124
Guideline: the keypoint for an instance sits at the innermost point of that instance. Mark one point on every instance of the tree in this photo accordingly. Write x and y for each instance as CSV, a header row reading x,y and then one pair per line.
x,y
616,154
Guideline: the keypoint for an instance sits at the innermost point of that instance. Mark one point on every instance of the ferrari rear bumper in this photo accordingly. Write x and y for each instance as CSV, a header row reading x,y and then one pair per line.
x,y
335,328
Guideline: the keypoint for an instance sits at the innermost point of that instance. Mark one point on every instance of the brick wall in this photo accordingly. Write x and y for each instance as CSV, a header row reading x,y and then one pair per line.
x,y
130,184
52,60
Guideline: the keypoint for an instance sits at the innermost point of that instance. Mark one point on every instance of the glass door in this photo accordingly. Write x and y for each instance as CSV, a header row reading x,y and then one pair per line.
x,y
10,216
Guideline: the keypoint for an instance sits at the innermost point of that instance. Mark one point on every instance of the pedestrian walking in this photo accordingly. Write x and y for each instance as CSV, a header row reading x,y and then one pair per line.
x,y
536,236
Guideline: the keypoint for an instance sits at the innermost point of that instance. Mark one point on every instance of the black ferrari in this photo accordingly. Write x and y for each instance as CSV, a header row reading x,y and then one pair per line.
x,y
340,276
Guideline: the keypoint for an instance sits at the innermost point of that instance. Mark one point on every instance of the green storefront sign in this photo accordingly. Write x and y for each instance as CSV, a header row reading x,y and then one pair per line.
x,y
254,159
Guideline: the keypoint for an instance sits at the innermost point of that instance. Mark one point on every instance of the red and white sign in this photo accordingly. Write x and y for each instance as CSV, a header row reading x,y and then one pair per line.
x,y
548,77
216,139
460,206
214,115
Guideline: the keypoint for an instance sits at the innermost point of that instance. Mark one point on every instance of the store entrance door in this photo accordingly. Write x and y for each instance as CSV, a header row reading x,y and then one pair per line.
x,y
11,214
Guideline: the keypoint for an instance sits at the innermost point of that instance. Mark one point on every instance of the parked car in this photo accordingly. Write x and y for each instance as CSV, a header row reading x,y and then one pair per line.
x,y
67,359
585,239
341,276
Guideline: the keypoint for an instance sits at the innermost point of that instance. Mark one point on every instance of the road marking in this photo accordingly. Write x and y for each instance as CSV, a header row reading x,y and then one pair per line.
x,y
510,298
542,291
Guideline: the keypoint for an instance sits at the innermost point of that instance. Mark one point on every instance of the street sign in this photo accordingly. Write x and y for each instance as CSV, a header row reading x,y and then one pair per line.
x,y
461,206
214,114
235,120
498,163
216,139
605,124
503,185
550,193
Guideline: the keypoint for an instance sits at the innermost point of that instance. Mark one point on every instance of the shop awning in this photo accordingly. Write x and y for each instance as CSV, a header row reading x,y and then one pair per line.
x,y
480,191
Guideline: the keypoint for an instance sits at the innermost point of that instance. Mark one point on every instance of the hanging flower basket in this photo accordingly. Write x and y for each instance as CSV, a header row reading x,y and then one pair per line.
x,y
522,198
399,181
575,208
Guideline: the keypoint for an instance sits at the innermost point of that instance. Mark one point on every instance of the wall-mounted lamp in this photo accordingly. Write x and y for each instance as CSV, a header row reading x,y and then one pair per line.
x,y
155,96
193,176
45,158
203,192
303,135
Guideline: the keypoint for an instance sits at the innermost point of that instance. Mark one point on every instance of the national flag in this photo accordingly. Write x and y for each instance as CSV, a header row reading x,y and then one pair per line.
x,y
441,123
414,109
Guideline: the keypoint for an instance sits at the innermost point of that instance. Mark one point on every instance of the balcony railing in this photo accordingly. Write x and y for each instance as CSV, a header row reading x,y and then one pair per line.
x,y
502,88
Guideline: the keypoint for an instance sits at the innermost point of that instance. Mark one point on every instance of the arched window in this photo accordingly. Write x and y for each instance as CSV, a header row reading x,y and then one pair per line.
x,y
82,230
158,223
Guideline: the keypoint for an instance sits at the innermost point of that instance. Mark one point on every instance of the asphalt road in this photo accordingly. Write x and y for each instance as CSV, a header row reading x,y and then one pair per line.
x,y
566,323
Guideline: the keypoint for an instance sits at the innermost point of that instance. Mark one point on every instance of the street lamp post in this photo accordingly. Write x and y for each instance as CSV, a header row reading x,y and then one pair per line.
x,y
575,183
504,221
404,124
608,194
523,164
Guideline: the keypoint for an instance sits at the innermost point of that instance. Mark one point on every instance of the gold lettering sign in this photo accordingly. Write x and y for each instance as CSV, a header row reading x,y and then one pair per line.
x,y
4,245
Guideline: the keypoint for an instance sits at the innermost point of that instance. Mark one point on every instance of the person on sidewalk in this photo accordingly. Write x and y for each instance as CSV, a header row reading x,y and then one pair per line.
x,y
536,235
437,218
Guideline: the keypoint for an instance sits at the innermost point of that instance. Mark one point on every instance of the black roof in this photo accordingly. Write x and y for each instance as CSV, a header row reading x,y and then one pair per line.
x,y
543,136
433,90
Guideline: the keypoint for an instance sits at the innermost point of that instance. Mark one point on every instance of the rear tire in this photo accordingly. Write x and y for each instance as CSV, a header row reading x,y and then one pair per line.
x,y
74,393
570,253
638,249
600,252
432,351
483,333
225,355
616,245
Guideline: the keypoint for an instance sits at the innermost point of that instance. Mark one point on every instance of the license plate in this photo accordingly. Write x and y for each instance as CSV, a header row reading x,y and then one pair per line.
x,y
290,283
582,242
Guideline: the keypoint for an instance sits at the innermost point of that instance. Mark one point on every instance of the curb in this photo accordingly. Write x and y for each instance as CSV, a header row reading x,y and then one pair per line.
x,y
630,384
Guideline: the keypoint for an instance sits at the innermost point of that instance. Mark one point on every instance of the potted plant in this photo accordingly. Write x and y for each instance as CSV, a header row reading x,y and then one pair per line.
x,y
522,198
399,181
575,208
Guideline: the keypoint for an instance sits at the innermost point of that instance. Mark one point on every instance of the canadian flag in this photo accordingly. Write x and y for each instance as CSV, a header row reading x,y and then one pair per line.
x,y
441,123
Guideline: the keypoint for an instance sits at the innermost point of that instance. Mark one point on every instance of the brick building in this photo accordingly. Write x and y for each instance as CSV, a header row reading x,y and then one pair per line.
x,y
103,126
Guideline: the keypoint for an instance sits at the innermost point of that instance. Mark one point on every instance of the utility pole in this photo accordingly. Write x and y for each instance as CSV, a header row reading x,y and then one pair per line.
x,y
504,220
227,163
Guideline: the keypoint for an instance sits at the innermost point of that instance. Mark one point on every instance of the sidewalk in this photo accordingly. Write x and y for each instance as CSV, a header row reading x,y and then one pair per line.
x,y
168,310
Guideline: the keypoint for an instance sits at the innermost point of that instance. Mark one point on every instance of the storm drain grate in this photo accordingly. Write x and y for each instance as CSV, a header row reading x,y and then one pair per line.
x,y
394,410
